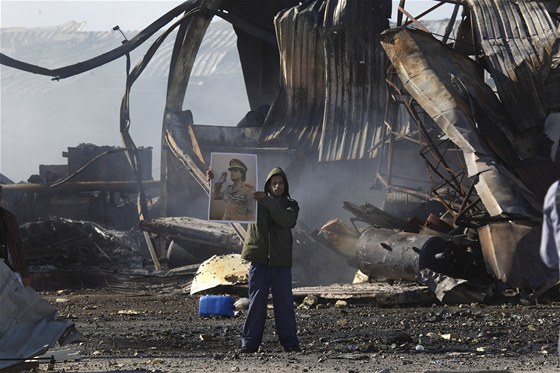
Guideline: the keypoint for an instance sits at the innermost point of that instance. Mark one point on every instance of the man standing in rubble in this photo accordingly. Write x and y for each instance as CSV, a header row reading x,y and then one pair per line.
x,y
268,246
11,245
238,196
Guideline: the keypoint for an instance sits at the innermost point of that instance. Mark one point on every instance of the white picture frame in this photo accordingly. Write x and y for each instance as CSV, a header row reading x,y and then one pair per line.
x,y
232,200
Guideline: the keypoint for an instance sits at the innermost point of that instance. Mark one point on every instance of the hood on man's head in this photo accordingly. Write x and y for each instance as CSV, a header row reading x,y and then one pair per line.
x,y
277,171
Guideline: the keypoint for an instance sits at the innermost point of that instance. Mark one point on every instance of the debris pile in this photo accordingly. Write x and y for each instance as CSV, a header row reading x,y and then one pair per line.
x,y
476,102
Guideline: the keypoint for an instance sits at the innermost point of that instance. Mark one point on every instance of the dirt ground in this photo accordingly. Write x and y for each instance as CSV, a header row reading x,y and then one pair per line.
x,y
158,329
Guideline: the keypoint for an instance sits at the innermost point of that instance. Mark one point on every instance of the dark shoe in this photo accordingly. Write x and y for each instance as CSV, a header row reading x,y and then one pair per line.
x,y
292,349
248,350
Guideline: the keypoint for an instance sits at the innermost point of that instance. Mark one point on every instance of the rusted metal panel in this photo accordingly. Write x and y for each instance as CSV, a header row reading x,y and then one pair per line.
x,y
437,224
176,125
195,231
446,85
175,133
517,39
189,39
449,87
511,253
193,240
501,192
451,290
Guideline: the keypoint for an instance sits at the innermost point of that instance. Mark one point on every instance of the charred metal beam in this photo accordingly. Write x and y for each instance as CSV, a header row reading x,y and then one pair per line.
x,y
372,215
187,42
429,71
125,48
454,178
451,24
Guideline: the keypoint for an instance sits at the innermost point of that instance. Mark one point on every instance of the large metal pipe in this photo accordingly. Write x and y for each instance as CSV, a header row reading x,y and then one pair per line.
x,y
386,254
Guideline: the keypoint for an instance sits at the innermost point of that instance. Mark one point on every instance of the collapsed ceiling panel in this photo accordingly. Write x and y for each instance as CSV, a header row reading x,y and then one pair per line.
x,y
446,84
516,40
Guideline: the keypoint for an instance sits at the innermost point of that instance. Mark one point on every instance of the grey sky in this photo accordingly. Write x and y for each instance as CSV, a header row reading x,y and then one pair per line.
x,y
129,15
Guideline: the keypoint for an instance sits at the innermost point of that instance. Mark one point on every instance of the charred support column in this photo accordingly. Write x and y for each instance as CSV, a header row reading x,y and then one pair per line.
x,y
383,253
178,137
187,43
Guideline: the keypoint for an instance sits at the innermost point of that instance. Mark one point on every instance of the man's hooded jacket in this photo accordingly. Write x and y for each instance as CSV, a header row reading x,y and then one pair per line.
x,y
269,241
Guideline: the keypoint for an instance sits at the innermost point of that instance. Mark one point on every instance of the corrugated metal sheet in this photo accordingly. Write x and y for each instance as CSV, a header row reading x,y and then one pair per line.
x,y
355,67
452,91
516,37
343,118
296,115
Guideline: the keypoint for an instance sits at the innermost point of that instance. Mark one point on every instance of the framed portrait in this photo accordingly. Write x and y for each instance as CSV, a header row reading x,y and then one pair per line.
x,y
232,188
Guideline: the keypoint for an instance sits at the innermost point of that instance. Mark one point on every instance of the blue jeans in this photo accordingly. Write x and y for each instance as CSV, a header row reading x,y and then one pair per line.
x,y
262,279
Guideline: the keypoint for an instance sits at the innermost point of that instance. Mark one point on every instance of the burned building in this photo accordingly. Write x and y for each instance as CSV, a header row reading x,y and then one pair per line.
x,y
444,135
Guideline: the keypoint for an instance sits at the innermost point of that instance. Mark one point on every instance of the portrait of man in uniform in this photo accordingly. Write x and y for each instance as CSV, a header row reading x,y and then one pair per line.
x,y
232,186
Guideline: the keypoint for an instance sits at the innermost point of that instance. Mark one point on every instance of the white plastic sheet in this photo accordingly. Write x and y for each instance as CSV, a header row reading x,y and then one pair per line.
x,y
28,324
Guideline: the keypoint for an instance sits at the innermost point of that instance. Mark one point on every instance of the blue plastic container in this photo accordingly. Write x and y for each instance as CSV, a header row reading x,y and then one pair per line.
x,y
216,305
